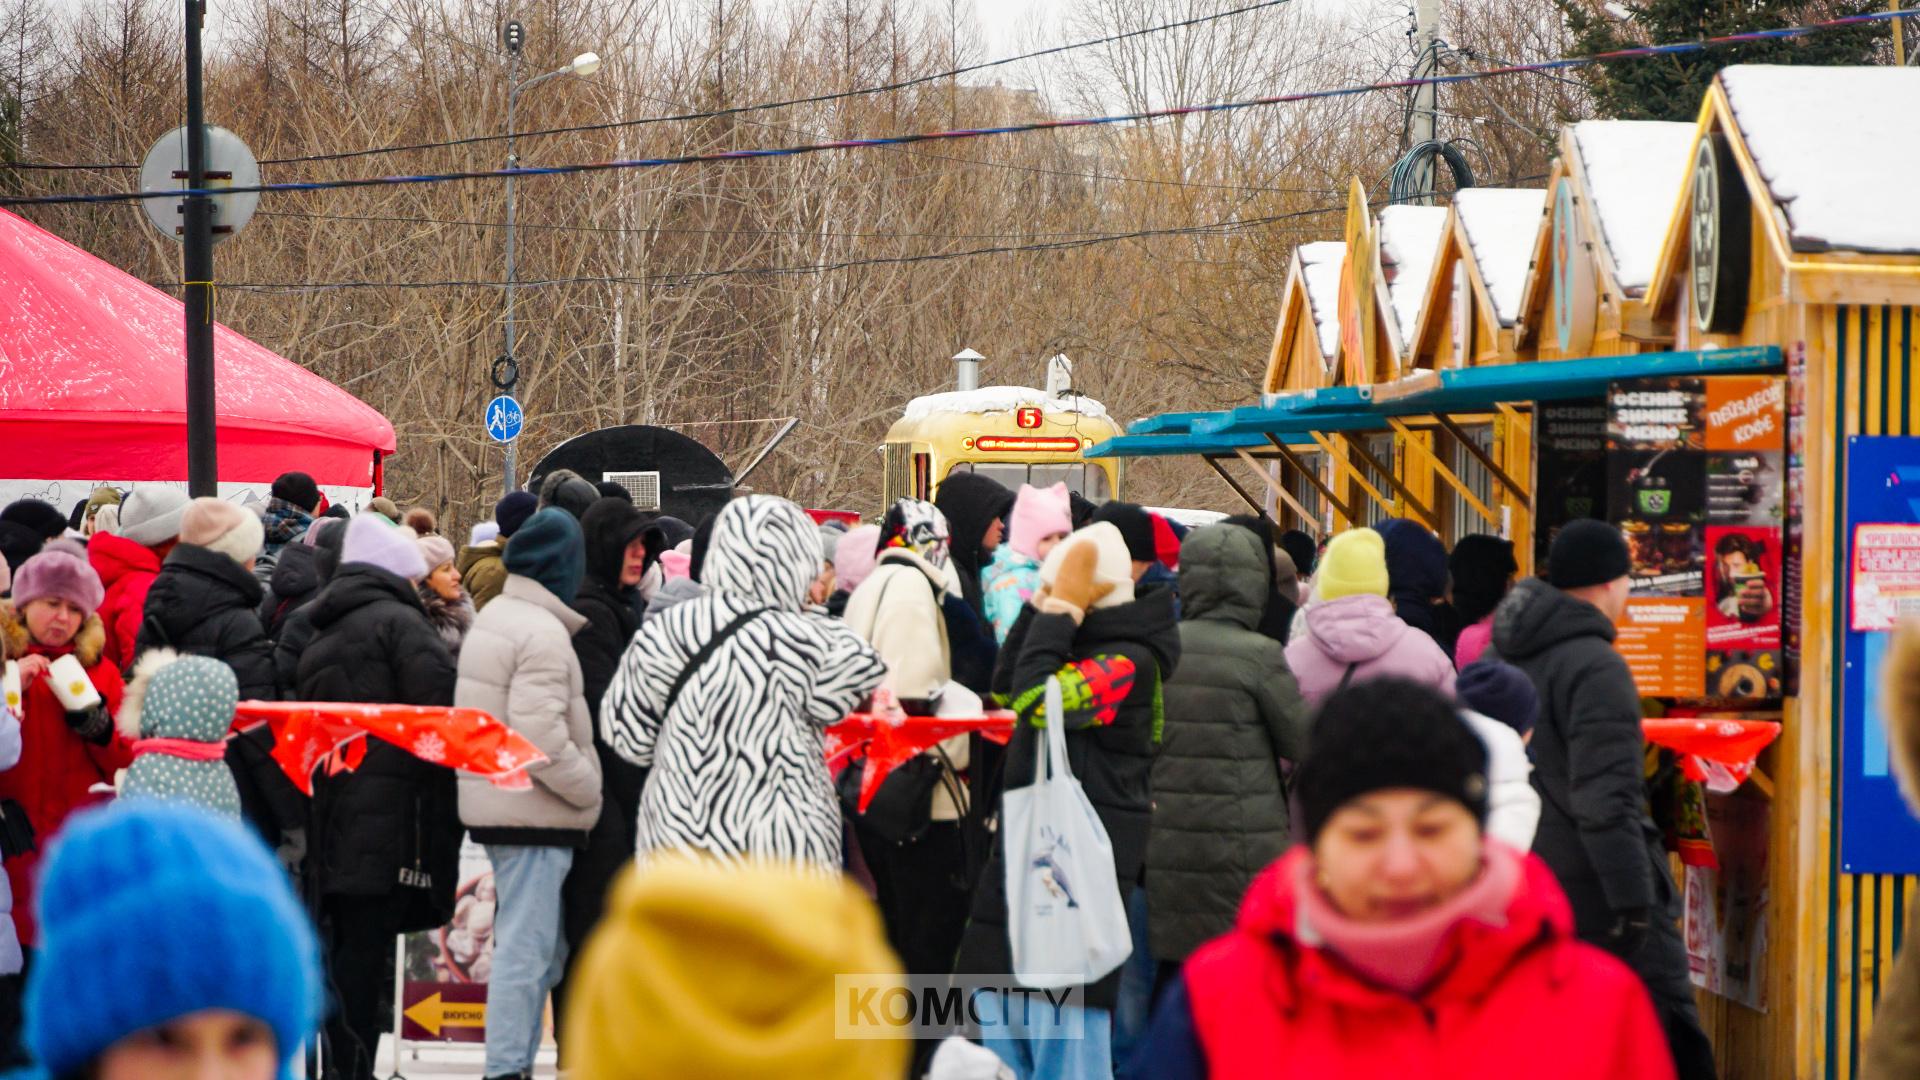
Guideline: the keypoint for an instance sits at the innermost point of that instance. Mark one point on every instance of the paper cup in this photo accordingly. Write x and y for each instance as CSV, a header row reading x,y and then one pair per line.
x,y
12,682
71,685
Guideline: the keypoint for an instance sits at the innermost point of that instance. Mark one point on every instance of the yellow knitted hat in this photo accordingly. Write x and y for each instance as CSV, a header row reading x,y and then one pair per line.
x,y
1355,563
699,969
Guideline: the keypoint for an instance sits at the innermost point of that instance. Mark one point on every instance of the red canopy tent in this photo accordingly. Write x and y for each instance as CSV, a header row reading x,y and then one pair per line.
x,y
93,388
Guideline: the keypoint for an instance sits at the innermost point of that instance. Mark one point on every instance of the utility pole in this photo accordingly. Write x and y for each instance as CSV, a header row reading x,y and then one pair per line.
x,y
197,266
1426,98
1899,38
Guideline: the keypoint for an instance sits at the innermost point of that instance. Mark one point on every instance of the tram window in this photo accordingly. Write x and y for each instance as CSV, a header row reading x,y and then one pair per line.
x,y
1009,476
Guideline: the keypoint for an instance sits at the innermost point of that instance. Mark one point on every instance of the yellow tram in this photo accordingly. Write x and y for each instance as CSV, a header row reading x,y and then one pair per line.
x,y
1014,434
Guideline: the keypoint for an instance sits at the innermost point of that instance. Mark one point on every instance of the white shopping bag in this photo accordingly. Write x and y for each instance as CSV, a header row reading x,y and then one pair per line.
x,y
1065,918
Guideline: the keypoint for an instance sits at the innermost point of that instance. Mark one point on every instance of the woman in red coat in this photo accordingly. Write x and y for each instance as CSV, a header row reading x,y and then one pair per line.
x,y
64,753
1401,942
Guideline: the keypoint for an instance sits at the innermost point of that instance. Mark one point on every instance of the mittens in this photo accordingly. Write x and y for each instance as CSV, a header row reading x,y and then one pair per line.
x,y
1075,588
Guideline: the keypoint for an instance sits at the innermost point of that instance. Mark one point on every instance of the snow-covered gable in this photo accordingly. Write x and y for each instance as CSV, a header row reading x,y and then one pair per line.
x,y
1410,239
1000,399
1501,225
1633,170
1837,149
1320,265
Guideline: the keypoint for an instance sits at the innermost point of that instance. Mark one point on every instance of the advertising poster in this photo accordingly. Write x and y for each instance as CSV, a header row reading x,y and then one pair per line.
x,y
1727,909
1743,612
1572,468
1877,834
444,984
1793,580
1884,576
1657,495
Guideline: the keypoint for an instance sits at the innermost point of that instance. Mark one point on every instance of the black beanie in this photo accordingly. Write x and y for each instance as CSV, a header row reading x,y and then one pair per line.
x,y
1135,525
513,511
1501,691
610,490
1301,549
1587,552
299,489
1389,733
43,518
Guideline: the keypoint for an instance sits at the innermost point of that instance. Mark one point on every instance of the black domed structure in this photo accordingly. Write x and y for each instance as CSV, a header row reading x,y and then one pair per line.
x,y
693,483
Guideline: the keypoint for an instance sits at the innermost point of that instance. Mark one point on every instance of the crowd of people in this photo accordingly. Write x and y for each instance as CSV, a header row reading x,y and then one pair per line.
x,y
1374,807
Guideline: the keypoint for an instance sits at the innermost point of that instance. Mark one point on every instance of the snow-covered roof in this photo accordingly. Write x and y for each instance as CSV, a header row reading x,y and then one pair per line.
x,y
1409,246
1320,265
1501,225
1000,399
1837,149
1633,171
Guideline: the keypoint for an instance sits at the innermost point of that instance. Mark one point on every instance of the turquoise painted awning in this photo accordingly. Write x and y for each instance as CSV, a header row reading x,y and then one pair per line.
x,y
1463,390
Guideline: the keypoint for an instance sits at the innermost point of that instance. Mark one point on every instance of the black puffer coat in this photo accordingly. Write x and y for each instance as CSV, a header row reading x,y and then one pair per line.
x,y
391,827
1233,712
1113,762
202,602
296,580
1588,749
612,620
295,629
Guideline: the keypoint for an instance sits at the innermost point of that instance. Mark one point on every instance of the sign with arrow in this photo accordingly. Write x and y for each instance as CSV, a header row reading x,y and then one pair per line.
x,y
445,1012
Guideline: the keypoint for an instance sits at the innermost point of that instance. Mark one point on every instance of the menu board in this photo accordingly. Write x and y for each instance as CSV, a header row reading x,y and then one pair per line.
x,y
1572,468
1696,483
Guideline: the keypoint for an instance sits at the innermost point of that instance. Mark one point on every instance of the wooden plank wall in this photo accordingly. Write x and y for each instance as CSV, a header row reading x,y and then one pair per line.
x,y
1877,395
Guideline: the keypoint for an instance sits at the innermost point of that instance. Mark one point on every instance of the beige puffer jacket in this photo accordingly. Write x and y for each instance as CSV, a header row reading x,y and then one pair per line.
x,y
519,665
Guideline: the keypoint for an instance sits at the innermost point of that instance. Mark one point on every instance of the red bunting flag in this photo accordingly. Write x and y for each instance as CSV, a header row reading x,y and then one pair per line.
x,y
308,733
1717,751
893,742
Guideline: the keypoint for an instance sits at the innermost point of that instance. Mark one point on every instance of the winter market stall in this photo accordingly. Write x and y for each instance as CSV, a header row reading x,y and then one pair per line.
x,y
1711,346
93,389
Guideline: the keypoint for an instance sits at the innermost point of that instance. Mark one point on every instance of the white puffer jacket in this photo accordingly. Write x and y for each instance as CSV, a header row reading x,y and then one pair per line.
x,y
519,665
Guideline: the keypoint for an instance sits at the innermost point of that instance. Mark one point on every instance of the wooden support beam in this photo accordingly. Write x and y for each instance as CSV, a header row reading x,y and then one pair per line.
x,y
1394,482
1446,473
1320,485
1234,484
1519,492
1333,452
1280,491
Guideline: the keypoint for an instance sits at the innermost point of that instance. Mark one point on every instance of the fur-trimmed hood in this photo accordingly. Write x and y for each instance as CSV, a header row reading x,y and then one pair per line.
x,y
87,645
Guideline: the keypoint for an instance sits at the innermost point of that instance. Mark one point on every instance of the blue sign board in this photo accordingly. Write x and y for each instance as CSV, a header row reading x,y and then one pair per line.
x,y
1878,835
504,418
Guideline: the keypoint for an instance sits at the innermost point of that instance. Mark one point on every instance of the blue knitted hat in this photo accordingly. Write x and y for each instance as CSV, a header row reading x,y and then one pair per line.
x,y
151,911
550,549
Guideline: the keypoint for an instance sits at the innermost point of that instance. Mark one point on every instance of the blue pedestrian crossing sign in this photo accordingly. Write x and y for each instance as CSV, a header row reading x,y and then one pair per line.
x,y
504,418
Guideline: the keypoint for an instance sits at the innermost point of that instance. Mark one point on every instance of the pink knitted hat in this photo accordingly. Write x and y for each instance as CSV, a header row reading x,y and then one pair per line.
x,y
853,556
1037,514
57,575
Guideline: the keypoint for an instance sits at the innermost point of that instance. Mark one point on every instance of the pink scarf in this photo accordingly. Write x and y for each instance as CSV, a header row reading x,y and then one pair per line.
x,y
1404,955
182,748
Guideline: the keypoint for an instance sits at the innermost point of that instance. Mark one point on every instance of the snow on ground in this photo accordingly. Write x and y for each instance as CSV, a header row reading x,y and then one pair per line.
x,y
1000,399
1409,246
1501,225
1837,148
1320,265
1634,171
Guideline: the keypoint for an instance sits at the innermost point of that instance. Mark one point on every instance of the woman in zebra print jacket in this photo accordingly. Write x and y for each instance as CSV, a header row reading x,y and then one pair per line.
x,y
738,764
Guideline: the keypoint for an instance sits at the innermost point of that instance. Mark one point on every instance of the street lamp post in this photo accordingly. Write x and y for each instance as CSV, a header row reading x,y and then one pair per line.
x,y
583,65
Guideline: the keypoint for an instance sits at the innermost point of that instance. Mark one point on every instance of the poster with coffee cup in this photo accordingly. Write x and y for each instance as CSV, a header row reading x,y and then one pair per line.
x,y
1743,612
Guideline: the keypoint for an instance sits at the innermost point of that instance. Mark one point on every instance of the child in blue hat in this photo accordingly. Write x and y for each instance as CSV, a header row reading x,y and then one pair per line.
x,y
171,945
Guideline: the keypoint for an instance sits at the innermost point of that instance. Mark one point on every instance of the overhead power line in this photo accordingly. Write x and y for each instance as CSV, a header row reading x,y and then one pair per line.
x,y
1619,55
713,114
690,277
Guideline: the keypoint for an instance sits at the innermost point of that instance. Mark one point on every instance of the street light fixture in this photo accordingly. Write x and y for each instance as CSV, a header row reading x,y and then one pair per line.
x,y
583,65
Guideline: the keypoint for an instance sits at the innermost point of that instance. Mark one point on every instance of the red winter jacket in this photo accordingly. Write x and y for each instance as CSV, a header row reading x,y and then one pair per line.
x,y
1524,999
57,768
127,570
